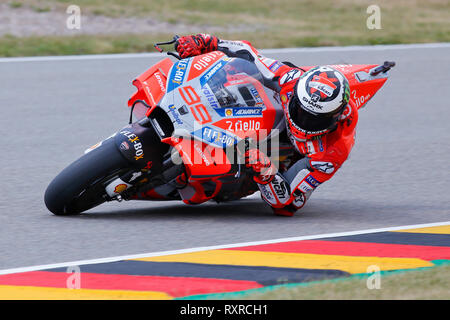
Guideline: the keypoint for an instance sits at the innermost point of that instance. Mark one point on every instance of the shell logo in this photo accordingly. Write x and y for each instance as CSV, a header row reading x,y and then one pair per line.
x,y
120,188
228,112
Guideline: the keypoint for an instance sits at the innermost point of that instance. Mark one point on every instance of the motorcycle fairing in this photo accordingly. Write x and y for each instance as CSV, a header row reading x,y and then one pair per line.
x,y
204,62
201,160
205,165
363,86
151,86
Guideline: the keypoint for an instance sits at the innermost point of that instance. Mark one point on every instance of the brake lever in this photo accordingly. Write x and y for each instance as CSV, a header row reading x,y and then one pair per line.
x,y
170,53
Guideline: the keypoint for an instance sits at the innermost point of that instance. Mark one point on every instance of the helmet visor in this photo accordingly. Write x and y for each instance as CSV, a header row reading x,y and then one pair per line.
x,y
308,121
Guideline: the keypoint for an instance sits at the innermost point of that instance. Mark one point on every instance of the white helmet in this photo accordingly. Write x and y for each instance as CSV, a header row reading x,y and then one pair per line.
x,y
320,96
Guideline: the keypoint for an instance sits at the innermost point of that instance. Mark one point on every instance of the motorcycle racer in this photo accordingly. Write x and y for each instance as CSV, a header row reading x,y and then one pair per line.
x,y
320,123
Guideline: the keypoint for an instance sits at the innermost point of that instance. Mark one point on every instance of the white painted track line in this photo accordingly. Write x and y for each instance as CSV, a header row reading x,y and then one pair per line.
x,y
252,243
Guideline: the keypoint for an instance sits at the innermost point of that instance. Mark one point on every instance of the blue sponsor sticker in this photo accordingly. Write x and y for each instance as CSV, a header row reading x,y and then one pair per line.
x,y
275,66
256,95
175,114
312,182
215,137
177,74
212,71
319,140
240,112
210,97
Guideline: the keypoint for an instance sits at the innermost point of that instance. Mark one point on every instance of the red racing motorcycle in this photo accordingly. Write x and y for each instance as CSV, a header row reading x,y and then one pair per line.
x,y
194,119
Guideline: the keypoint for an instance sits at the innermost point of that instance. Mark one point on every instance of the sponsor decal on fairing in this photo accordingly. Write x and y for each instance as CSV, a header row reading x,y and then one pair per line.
x,y
215,137
177,74
204,79
175,114
210,97
134,139
256,96
202,154
247,112
124,146
116,187
204,61
243,125
160,81
240,112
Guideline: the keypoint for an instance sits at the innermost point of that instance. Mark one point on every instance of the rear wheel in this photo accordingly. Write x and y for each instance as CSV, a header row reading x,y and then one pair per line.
x,y
81,186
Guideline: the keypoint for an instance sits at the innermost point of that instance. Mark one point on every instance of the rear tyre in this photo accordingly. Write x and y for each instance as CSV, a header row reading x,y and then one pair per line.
x,y
80,186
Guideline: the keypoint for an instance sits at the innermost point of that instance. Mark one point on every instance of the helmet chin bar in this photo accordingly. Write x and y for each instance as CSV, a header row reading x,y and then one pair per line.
x,y
300,130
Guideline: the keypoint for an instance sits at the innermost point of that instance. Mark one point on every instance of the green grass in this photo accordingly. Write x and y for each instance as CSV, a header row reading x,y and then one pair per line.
x,y
267,24
11,46
430,283
41,9
15,4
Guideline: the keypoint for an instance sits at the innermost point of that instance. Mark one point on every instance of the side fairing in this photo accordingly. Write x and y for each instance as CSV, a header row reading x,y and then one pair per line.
x,y
363,86
151,86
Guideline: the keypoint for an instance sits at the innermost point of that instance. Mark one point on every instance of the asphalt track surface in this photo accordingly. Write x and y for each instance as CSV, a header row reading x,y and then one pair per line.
x,y
53,109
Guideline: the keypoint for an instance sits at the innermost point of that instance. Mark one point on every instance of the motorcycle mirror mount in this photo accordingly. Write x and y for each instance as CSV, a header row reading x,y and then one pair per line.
x,y
170,53
132,108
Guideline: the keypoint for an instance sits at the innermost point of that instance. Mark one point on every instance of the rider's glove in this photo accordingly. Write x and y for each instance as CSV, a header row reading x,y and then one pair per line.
x,y
261,165
189,46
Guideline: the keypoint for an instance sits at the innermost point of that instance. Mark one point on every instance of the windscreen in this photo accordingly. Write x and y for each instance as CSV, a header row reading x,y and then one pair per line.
x,y
235,84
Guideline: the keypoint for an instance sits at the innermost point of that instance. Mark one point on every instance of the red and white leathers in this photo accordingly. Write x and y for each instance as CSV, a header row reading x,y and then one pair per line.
x,y
323,155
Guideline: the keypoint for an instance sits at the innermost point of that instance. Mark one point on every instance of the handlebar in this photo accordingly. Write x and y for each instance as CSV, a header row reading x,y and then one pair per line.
x,y
170,53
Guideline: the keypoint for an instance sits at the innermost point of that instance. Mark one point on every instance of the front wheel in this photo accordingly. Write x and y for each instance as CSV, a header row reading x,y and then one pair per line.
x,y
81,186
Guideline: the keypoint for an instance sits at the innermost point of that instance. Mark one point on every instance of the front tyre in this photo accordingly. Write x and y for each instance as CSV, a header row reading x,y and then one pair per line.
x,y
80,186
